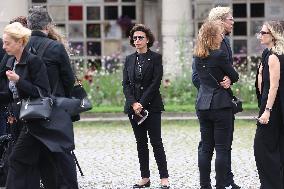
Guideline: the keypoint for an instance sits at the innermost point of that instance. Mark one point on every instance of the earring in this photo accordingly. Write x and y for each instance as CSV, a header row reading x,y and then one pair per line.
x,y
147,41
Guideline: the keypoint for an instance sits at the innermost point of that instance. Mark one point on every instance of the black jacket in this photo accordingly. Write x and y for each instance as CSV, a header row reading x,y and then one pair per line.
x,y
32,72
57,62
210,94
152,73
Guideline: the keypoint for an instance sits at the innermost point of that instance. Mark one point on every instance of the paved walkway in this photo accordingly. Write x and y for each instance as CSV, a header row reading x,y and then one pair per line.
x,y
165,116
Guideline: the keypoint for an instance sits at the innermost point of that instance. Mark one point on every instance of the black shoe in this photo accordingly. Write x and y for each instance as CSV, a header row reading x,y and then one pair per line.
x,y
233,186
146,185
206,187
164,187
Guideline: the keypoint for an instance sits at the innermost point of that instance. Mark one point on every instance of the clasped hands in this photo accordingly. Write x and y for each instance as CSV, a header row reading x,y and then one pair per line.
x,y
137,107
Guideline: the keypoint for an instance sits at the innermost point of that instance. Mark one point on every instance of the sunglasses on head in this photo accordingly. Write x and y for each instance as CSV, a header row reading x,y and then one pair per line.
x,y
264,32
140,38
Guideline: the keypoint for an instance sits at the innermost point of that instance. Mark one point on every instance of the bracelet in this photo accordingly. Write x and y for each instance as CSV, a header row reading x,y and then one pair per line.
x,y
268,109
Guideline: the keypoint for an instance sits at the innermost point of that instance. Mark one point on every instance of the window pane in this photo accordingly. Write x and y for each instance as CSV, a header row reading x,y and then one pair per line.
x,y
61,28
203,10
256,47
255,27
38,1
76,31
128,0
75,12
240,10
57,13
129,11
240,28
93,48
75,1
111,47
93,13
240,47
77,48
257,10
112,30
111,13
93,30
110,0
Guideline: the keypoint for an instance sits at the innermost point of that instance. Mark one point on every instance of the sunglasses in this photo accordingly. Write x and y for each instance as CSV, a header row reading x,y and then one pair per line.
x,y
140,38
264,32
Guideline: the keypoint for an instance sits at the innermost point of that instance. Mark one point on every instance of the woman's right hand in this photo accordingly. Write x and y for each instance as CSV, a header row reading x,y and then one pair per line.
x,y
137,107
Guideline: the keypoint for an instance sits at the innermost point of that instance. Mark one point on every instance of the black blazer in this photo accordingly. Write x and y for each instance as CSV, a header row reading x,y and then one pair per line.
x,y
152,73
210,94
32,72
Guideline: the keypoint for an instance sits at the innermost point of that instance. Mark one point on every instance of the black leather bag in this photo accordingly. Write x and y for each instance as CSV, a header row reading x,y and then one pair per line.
x,y
237,104
70,105
79,93
36,108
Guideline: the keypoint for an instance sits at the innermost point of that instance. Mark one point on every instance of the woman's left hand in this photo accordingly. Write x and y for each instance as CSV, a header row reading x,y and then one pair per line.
x,y
12,76
264,118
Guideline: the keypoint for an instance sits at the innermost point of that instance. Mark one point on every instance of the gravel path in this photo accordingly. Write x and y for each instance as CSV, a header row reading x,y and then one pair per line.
x,y
107,154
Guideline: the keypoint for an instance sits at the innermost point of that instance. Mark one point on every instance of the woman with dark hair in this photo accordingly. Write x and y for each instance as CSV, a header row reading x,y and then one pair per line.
x,y
269,136
142,75
213,103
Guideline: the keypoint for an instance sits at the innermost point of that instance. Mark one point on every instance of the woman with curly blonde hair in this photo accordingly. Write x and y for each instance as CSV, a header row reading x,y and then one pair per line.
x,y
269,137
213,103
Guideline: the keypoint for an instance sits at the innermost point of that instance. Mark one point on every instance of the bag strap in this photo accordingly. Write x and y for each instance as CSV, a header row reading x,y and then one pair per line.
x,y
229,90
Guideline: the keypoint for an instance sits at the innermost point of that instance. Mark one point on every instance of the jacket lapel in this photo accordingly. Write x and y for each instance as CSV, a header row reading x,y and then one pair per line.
x,y
147,61
132,66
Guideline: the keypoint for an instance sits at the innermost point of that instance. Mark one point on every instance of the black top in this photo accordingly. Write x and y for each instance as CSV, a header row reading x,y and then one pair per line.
x,y
140,59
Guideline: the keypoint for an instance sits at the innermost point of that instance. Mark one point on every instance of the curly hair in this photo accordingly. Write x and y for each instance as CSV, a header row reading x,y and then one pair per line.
x,y
146,30
276,29
206,39
219,13
21,19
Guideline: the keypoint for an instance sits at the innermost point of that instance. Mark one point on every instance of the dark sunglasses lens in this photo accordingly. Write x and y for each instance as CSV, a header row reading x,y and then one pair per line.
x,y
263,32
138,37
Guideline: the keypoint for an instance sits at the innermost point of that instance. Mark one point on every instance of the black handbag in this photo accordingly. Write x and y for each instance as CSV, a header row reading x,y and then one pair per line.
x,y
69,105
79,92
237,104
36,108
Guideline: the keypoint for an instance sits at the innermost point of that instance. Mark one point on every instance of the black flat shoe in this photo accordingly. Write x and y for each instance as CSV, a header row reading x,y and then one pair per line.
x,y
164,187
146,185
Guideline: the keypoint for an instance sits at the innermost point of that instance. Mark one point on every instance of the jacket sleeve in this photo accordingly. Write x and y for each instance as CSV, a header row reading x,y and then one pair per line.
x,y
227,67
127,86
39,78
65,70
195,77
156,82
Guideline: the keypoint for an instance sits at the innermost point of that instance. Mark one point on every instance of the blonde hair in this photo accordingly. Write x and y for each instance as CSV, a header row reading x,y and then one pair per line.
x,y
276,29
206,39
17,31
219,13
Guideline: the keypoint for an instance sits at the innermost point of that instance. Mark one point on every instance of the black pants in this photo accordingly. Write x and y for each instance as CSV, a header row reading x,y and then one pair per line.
x,y
269,151
23,170
152,125
215,129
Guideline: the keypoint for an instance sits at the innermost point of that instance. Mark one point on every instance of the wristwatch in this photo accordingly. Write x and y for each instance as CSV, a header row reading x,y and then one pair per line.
x,y
268,109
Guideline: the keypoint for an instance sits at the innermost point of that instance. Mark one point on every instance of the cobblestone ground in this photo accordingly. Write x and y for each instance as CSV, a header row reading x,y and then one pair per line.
x,y
108,157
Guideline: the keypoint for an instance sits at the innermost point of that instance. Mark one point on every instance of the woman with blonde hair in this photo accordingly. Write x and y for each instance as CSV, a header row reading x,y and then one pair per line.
x,y
213,103
269,136
25,73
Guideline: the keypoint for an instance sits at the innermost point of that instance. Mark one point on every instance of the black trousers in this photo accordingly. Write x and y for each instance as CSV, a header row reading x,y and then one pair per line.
x,y
152,126
269,151
215,129
23,170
